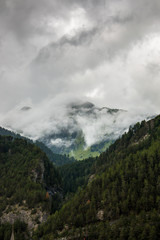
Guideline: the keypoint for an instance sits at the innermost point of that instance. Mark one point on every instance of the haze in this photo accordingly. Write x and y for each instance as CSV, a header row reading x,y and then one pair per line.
x,y
56,52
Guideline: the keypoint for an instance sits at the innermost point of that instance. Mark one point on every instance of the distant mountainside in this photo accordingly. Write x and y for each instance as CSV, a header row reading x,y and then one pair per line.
x,y
122,197
72,140
30,185
78,129
57,159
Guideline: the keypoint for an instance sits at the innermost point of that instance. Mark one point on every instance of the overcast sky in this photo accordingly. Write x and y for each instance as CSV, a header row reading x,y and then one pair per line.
x,y
104,51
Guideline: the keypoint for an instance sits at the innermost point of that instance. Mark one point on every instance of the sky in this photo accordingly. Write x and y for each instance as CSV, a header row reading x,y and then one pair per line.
x,y
58,51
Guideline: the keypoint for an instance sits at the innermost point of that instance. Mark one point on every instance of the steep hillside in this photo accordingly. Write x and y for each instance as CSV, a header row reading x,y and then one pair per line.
x,y
57,159
81,152
30,186
76,174
123,199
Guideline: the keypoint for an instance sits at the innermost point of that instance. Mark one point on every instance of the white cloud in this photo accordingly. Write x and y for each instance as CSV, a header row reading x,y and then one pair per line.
x,y
55,117
53,52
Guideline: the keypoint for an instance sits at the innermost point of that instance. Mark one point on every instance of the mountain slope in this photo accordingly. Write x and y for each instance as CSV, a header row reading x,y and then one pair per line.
x,y
76,174
87,132
57,159
30,184
122,201
78,129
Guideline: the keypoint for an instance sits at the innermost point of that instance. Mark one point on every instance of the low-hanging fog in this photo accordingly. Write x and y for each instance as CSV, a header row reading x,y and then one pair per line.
x,y
52,119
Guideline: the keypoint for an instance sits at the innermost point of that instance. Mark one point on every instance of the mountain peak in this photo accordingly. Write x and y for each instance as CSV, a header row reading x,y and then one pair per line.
x,y
86,105
25,108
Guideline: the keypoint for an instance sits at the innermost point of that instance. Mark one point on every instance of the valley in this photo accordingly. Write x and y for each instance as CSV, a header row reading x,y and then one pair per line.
x,y
93,198
79,120
79,130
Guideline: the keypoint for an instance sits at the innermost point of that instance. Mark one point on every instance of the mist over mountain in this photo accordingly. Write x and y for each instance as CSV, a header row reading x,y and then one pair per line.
x,y
72,127
121,198
80,80
62,52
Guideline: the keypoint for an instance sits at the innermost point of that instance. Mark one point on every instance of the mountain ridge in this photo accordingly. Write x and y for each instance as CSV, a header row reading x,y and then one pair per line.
x,y
73,128
65,141
55,158
122,200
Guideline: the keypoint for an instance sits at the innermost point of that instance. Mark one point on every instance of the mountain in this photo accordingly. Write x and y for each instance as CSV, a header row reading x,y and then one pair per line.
x,y
25,108
122,197
30,186
78,138
57,159
76,129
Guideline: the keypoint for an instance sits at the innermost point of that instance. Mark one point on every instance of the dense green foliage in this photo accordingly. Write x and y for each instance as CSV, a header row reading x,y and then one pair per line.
x,y
20,231
25,174
5,132
76,174
57,159
123,200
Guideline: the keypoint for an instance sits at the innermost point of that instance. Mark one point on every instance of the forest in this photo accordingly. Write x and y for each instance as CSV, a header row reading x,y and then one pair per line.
x,y
57,159
123,199
26,177
113,196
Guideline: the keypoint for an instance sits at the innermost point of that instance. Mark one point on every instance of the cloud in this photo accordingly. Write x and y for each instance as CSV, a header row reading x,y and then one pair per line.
x,y
53,52
57,123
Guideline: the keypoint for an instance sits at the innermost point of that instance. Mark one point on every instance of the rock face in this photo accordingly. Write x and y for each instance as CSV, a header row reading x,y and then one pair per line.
x,y
38,173
92,177
100,215
32,217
